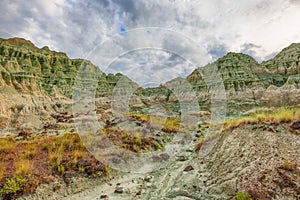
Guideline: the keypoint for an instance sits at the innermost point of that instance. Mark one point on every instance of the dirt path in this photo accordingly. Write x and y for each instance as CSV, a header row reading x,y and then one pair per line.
x,y
175,181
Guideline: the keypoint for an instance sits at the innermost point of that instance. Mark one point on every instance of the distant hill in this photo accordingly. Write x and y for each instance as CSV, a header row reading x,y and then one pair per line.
x,y
39,77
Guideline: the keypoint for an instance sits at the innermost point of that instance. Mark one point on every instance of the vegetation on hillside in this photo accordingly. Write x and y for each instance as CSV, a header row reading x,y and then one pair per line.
x,y
274,116
27,163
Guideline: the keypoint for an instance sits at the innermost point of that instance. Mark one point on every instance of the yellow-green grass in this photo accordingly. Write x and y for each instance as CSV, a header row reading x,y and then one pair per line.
x,y
1,170
138,140
23,167
6,145
132,140
166,124
36,159
276,116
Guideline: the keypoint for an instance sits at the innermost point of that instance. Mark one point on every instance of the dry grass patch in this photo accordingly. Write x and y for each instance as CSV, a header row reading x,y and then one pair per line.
x,y
6,145
171,125
168,125
23,167
132,140
2,168
276,116
36,159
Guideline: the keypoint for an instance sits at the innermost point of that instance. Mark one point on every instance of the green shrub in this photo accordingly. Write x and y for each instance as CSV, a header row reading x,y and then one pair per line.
x,y
45,146
13,185
61,169
242,196
99,173
81,169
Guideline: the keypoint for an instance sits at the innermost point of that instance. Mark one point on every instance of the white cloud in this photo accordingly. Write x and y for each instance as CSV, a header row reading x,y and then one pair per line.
x,y
77,26
151,67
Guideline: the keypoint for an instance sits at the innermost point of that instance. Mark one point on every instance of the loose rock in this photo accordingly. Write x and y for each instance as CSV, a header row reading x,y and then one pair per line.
x,y
188,168
182,158
104,197
147,178
119,190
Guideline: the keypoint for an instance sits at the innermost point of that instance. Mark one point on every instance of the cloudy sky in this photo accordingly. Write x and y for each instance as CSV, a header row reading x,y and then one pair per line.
x,y
259,28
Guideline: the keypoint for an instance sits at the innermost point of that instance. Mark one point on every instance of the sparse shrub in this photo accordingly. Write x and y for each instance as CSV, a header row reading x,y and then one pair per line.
x,y
106,169
242,196
13,185
6,145
77,154
55,154
45,146
140,117
71,142
138,139
124,146
61,169
30,150
23,167
2,168
202,127
81,169
171,125
99,173
135,148
288,165
158,146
